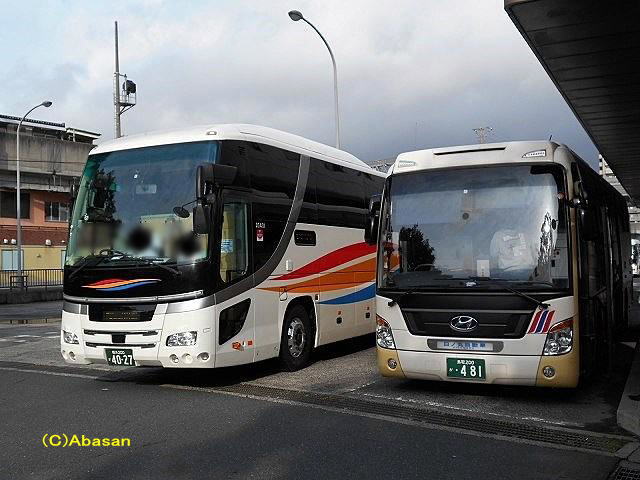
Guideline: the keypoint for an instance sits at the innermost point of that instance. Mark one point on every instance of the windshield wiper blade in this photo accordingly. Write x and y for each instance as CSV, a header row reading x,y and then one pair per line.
x,y
85,262
392,302
504,285
145,261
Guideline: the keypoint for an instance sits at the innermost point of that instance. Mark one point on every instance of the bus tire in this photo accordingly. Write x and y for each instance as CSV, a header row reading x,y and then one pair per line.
x,y
297,339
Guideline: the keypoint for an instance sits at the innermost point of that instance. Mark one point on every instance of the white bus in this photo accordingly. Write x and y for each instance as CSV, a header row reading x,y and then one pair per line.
x,y
216,246
499,263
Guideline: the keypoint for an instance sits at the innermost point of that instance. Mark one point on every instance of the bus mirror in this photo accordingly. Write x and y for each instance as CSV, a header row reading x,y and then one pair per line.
x,y
224,175
73,194
200,216
578,193
372,221
587,229
204,176
210,175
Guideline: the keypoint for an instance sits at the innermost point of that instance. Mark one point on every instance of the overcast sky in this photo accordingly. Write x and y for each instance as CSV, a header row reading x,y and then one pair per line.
x,y
411,74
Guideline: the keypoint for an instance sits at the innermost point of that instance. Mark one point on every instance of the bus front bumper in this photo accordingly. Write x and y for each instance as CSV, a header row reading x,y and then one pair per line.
x,y
146,340
499,369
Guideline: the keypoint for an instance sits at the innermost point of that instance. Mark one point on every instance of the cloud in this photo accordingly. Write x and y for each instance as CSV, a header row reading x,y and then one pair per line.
x,y
411,74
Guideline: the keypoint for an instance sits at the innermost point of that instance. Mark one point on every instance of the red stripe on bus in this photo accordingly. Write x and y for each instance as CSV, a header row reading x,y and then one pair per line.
x,y
103,282
547,322
331,260
534,324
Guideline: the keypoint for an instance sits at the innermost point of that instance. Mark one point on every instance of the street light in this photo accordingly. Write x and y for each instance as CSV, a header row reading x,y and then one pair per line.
x,y
295,15
46,104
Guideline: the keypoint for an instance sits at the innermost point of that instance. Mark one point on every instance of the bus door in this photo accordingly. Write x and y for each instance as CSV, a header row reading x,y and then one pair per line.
x,y
236,310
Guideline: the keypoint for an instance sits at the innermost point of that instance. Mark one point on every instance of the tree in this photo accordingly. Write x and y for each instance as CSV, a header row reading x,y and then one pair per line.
x,y
418,254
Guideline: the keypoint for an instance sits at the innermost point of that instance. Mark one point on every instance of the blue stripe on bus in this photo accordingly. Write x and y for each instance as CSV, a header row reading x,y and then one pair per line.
x,y
125,287
359,296
543,318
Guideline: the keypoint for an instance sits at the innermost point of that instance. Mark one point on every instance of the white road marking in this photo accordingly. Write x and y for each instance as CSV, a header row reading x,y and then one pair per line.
x,y
440,405
418,423
59,374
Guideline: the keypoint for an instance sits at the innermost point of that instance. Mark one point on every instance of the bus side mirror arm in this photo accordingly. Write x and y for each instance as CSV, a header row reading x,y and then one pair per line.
x,y
576,202
372,221
210,176
201,219
73,194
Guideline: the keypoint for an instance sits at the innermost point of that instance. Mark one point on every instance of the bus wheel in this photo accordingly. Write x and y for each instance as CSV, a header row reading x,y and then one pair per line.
x,y
297,339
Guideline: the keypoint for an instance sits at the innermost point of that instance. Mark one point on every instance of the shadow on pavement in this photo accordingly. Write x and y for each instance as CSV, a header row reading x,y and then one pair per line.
x,y
225,376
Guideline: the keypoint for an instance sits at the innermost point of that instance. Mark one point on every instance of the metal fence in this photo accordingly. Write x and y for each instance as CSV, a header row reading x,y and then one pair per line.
x,y
37,277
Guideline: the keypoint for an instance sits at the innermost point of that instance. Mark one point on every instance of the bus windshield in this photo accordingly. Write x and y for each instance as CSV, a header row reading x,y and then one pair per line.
x,y
475,227
124,207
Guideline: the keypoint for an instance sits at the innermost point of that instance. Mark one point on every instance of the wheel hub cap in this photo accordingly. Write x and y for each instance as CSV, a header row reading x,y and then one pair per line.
x,y
296,337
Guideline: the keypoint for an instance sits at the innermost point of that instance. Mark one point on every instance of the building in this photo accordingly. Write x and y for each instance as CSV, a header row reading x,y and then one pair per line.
x,y
634,212
51,159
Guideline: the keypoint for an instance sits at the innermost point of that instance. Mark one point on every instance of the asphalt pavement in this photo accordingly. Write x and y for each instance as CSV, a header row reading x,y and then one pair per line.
x,y
177,433
337,417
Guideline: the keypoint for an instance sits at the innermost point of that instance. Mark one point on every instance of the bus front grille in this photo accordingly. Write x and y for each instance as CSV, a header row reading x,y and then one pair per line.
x,y
490,323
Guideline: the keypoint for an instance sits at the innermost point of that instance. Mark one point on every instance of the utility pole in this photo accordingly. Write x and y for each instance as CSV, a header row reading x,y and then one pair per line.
x,y
116,91
295,15
482,133
125,99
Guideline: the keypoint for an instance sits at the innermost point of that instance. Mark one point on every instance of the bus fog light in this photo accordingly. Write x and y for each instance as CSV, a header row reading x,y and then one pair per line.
x,y
174,358
70,337
182,339
549,372
392,364
384,336
186,358
72,355
203,357
559,339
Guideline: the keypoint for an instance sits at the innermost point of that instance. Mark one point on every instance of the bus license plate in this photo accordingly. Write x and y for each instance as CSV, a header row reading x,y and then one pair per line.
x,y
120,357
466,368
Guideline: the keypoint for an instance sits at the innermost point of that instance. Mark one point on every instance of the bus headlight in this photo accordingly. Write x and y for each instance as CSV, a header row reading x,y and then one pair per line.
x,y
70,337
182,339
384,336
559,339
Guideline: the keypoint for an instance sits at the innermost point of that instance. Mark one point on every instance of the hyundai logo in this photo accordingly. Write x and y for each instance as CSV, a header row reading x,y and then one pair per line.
x,y
463,323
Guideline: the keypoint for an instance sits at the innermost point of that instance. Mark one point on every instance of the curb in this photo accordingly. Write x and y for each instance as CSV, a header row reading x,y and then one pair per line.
x,y
628,414
26,321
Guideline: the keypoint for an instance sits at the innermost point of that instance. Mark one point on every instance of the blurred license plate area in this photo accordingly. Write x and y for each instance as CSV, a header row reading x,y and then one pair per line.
x,y
465,345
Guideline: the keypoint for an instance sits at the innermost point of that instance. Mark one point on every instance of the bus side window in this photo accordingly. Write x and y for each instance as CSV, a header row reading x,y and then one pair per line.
x,y
234,247
340,194
274,175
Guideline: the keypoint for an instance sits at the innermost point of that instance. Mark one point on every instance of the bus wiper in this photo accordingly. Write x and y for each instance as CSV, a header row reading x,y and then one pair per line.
x,y
541,305
85,262
392,302
145,261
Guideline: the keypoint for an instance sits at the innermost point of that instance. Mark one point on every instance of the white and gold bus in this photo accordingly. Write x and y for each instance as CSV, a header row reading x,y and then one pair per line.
x,y
499,263
215,246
